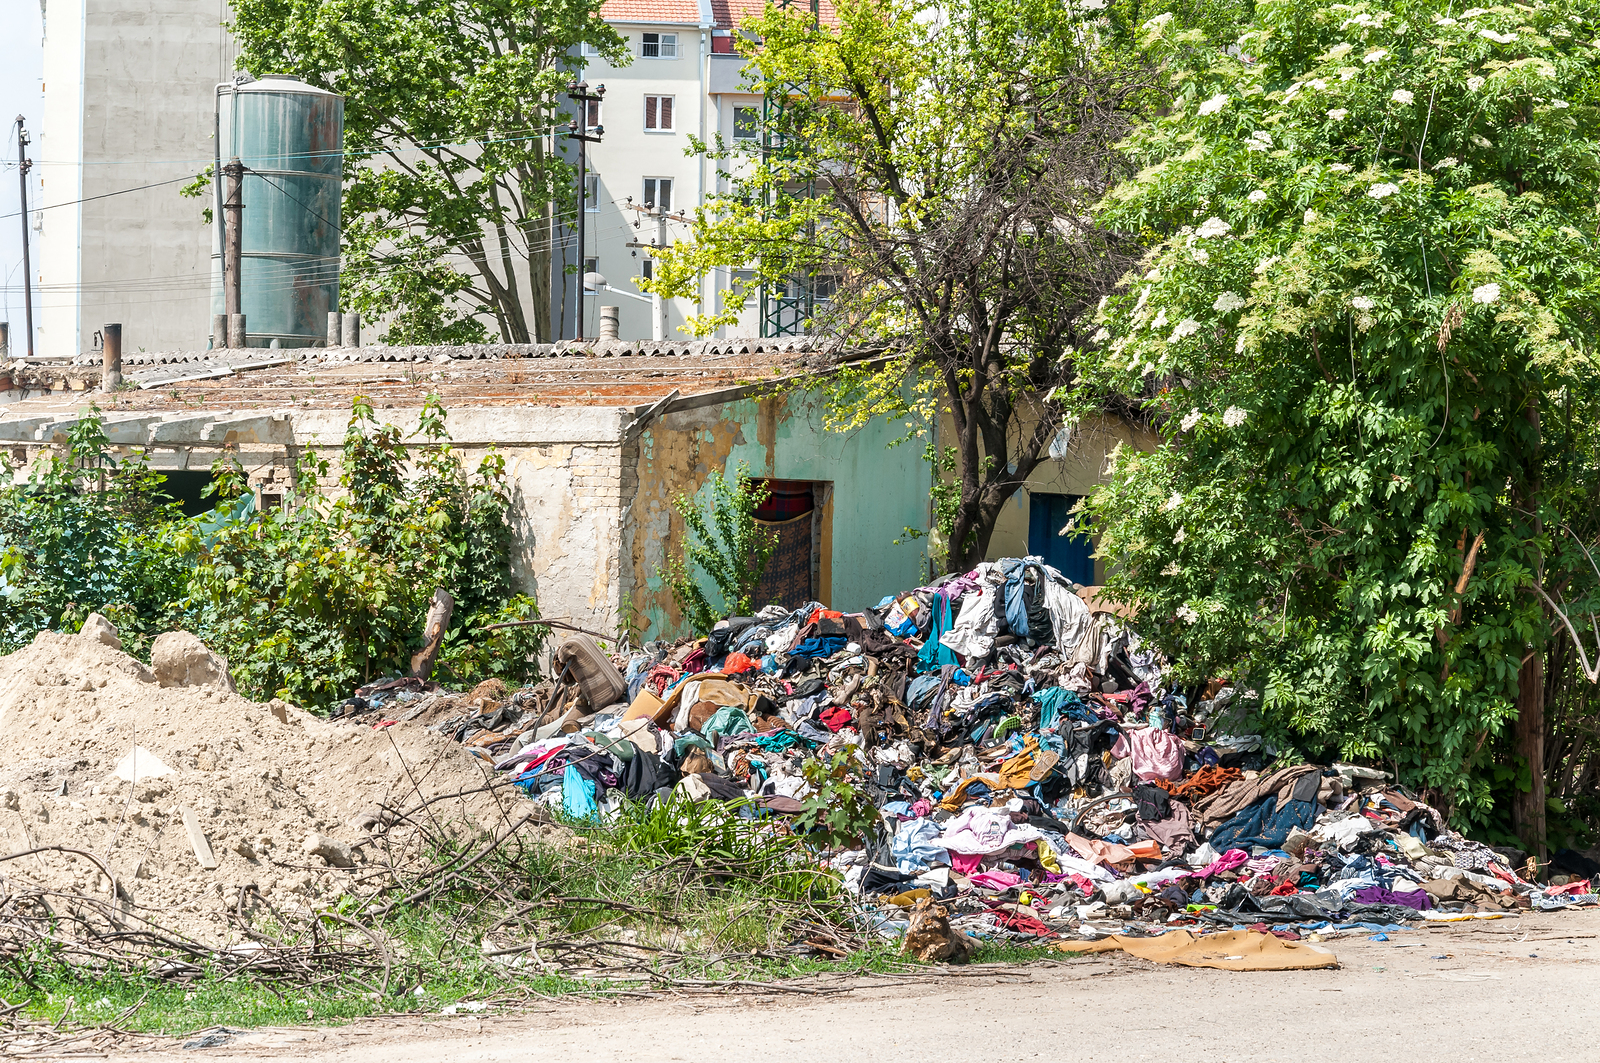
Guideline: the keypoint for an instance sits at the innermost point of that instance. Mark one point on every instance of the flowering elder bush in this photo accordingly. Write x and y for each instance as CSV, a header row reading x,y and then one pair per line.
x,y
1367,323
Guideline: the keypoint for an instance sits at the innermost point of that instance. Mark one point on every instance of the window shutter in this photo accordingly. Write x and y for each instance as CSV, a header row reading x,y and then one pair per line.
x,y
666,112
650,112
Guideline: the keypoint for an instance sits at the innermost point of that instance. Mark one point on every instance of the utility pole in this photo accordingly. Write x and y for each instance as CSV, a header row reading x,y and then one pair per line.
x,y
658,305
231,252
579,129
23,166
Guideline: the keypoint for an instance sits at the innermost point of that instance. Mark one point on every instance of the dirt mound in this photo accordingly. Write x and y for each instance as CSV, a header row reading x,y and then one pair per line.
x,y
255,780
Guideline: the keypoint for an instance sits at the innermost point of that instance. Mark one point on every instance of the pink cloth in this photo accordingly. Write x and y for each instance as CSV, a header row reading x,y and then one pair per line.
x,y
996,880
1156,754
921,808
965,863
1229,860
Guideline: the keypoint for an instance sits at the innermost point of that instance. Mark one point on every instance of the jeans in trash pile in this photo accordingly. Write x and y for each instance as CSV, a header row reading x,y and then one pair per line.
x,y
1032,760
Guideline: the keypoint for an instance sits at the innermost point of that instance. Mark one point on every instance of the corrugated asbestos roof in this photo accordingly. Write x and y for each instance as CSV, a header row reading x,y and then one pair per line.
x,y
614,374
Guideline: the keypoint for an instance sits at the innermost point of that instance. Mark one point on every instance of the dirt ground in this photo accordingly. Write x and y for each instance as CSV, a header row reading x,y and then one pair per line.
x,y
1500,990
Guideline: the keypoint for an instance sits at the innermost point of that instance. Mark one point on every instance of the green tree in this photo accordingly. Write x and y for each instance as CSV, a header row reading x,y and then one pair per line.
x,y
725,545
931,168
85,533
452,196
1366,324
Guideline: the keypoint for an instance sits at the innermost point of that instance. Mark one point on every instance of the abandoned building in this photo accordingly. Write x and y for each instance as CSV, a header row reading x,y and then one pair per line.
x,y
598,440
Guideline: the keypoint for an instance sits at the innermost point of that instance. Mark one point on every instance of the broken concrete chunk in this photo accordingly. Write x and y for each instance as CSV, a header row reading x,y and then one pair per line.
x,y
334,852
101,630
141,764
179,659
197,839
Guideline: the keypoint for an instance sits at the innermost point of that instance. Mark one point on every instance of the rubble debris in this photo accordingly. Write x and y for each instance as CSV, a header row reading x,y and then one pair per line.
x,y
179,659
256,779
101,630
333,852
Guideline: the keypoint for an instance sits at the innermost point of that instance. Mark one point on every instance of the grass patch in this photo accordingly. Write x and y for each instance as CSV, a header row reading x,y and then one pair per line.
x,y
682,893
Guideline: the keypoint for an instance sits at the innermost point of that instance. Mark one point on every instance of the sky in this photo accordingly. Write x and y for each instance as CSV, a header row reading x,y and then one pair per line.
x,y
21,68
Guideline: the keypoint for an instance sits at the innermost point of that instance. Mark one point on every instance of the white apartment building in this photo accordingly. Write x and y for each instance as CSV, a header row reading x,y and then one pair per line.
x,y
128,89
684,82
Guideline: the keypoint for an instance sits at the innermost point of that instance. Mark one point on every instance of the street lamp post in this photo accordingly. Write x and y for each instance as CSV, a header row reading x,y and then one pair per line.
x,y
580,130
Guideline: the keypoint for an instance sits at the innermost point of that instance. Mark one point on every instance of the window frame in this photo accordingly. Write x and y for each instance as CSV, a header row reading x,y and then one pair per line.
x,y
666,45
651,197
671,108
591,193
755,118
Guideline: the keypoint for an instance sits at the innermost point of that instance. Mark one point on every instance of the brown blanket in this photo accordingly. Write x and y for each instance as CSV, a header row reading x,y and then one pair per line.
x,y
1211,811
1231,950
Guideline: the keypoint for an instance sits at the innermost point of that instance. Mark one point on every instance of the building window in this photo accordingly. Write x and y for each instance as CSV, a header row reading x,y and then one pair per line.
x,y
588,49
658,112
746,123
658,194
591,191
659,46
647,269
746,277
590,265
592,113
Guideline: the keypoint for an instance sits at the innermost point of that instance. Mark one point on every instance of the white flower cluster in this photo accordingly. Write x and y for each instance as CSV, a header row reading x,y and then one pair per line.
x,y
1486,293
1200,255
1172,503
1361,302
1187,615
1212,228
1258,196
1260,140
1190,419
1377,55
1474,83
1181,536
1214,104
1233,416
1339,167
1338,114
1498,38
1384,190
1228,302
1402,96
1187,327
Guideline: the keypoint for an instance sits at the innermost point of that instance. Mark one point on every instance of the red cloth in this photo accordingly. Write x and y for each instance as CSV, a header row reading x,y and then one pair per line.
x,y
738,662
836,718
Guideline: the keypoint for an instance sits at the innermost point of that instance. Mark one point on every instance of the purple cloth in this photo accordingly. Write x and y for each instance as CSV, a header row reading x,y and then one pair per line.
x,y
1417,899
1228,861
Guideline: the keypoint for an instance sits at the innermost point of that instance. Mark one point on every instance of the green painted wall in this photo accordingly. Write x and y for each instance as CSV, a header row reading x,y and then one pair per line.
x,y
878,491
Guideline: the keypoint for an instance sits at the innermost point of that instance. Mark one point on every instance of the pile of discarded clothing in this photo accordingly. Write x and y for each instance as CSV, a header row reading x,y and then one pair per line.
x,y
1034,770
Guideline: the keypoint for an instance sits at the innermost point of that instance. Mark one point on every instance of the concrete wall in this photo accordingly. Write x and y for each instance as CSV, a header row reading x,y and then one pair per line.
x,y
128,101
877,492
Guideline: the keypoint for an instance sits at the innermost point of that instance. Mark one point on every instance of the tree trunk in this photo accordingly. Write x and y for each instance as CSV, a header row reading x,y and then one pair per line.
x,y
1528,809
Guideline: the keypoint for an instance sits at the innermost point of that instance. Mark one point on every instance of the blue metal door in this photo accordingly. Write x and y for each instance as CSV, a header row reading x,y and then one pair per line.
x,y
1072,554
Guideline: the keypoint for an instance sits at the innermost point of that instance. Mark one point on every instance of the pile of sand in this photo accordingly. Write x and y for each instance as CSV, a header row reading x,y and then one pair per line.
x,y
73,707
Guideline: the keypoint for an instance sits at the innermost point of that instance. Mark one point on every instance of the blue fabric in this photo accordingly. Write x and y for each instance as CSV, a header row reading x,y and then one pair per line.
x,y
1012,569
577,794
936,654
729,720
1264,824
914,846
1055,702
823,647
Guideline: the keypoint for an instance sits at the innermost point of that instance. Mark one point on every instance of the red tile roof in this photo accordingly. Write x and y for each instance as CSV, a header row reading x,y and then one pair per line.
x,y
729,14
651,11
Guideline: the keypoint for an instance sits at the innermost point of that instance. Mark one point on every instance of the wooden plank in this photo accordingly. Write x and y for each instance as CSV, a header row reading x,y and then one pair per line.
x,y
197,839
